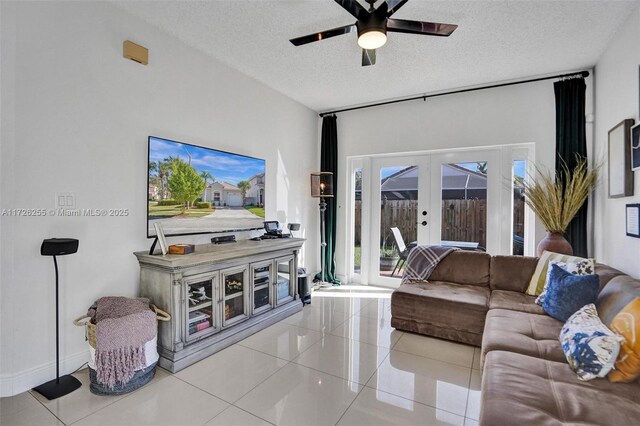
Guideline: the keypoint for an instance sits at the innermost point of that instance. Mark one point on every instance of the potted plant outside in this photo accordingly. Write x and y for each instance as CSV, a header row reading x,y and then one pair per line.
x,y
388,255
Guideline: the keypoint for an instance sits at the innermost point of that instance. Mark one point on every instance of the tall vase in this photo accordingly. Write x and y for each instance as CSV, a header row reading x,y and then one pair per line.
x,y
555,242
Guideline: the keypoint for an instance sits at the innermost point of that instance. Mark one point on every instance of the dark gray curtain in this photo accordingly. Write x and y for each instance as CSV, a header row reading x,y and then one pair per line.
x,y
329,163
571,141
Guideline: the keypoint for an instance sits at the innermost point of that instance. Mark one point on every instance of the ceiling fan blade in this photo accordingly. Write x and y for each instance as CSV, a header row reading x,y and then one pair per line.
x,y
418,27
394,5
322,35
368,57
354,8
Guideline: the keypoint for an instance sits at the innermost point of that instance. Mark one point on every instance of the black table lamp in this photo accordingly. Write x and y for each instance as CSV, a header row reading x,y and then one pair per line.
x,y
60,386
322,187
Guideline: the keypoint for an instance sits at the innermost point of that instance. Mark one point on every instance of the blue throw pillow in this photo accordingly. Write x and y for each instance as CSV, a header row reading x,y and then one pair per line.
x,y
567,293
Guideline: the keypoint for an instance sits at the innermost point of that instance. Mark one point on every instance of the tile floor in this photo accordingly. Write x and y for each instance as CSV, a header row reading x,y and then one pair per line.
x,y
338,362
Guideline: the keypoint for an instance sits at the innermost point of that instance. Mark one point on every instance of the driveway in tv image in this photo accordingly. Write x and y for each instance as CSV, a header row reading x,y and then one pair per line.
x,y
222,219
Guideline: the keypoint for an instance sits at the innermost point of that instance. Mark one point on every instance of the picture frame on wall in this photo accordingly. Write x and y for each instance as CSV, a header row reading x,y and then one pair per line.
x,y
633,220
635,147
620,173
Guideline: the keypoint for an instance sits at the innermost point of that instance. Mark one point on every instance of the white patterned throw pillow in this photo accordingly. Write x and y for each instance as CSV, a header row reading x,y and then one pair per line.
x,y
581,267
589,346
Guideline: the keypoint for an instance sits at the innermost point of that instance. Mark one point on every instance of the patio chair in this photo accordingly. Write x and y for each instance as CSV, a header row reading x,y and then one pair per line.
x,y
402,249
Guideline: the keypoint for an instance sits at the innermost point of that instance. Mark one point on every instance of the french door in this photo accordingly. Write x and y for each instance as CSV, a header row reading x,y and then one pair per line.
x,y
400,197
451,198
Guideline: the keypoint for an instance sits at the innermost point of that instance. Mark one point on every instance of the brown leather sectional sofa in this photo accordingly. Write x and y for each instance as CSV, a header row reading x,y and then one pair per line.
x,y
479,299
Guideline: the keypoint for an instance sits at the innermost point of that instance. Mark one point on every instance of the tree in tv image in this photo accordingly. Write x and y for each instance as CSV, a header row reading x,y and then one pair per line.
x,y
193,189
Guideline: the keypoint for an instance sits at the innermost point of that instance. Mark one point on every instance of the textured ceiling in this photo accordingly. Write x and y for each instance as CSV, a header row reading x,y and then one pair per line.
x,y
495,41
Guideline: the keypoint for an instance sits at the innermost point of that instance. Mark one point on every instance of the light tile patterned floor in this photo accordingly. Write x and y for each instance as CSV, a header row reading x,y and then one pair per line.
x,y
338,361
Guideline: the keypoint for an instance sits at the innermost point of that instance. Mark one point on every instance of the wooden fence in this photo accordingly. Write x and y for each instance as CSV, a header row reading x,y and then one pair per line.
x,y
462,220
465,220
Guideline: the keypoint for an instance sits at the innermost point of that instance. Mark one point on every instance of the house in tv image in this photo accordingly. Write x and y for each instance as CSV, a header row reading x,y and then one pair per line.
x,y
153,192
222,194
255,194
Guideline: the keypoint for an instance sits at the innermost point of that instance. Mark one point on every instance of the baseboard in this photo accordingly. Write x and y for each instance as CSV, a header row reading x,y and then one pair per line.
x,y
13,384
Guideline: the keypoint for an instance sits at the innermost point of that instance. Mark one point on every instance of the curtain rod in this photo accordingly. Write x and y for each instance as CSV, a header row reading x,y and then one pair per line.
x,y
472,89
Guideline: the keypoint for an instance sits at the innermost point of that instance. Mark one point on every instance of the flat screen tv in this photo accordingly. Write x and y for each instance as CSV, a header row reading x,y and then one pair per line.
x,y
197,190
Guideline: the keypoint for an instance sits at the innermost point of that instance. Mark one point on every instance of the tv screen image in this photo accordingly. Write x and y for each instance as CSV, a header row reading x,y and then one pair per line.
x,y
197,190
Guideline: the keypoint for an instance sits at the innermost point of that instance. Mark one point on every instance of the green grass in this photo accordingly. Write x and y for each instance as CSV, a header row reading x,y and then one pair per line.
x,y
258,211
357,256
171,211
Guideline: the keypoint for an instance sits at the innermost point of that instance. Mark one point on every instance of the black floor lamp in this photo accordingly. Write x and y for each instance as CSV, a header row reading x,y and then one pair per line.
x,y
60,386
322,187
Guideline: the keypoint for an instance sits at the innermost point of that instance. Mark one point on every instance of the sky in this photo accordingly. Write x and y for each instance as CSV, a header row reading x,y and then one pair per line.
x,y
224,167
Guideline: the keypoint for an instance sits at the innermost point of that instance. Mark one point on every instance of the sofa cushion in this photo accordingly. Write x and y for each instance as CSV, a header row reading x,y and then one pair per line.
x,y
617,294
463,267
590,347
522,390
515,301
459,307
512,272
523,333
567,293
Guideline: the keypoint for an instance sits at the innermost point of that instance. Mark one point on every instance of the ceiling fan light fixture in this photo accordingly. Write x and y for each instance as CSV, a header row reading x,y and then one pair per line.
x,y
372,38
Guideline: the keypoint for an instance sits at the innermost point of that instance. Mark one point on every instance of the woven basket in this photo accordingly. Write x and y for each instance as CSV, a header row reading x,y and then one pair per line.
x,y
91,328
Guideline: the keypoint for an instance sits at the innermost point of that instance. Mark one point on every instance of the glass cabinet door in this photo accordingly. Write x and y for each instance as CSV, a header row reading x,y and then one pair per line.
x,y
284,282
234,295
201,318
261,279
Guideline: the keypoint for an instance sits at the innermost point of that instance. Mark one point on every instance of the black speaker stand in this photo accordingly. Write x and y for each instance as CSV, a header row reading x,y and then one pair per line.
x,y
60,386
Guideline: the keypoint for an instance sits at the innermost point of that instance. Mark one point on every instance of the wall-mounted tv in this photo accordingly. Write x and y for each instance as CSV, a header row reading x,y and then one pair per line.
x,y
197,190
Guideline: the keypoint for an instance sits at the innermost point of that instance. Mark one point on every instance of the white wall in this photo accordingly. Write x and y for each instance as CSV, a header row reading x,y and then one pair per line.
x,y
75,117
617,92
509,115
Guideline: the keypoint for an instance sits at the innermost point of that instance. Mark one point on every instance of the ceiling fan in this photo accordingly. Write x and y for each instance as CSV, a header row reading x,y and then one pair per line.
x,y
372,26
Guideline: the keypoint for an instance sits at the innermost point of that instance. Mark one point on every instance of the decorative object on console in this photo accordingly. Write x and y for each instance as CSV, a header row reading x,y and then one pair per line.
x,y
224,239
66,384
620,174
539,278
159,238
181,248
322,187
272,230
567,293
293,227
556,198
627,324
633,220
590,347
582,267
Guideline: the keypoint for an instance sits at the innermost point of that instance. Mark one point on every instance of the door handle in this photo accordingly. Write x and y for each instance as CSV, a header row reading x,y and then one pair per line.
x,y
423,223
